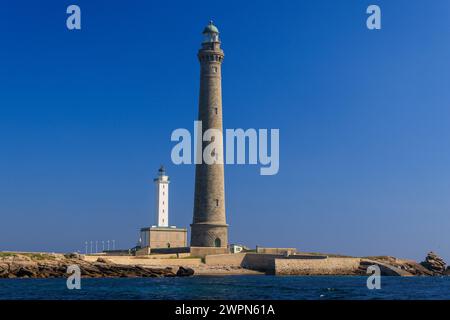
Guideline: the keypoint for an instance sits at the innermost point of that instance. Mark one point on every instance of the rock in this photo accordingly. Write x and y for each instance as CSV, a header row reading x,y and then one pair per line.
x,y
25,273
21,259
406,265
185,272
73,255
166,272
104,260
50,271
417,269
434,263
21,266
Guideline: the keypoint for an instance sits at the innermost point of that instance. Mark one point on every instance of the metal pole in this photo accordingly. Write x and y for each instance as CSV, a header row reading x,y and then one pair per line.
x,y
114,244
96,246
103,245
108,244
86,246
91,247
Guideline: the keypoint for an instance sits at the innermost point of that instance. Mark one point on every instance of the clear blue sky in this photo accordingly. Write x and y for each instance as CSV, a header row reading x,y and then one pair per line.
x,y
364,119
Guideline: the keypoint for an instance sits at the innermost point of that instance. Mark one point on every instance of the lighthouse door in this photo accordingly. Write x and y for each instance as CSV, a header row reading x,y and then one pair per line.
x,y
217,243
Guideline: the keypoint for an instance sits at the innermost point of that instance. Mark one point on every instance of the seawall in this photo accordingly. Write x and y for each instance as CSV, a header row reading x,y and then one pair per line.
x,y
302,264
326,266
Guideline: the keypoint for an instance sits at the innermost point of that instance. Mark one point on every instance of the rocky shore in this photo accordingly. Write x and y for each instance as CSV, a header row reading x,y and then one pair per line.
x,y
408,267
51,265
432,266
43,265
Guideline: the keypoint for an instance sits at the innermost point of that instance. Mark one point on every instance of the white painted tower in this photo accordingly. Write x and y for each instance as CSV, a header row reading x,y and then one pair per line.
x,y
162,198
162,235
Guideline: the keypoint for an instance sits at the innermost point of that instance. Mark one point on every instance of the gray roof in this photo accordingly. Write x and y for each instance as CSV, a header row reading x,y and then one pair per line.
x,y
211,28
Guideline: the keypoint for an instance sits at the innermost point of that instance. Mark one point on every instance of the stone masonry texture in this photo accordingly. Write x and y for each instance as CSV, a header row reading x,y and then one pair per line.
x,y
209,227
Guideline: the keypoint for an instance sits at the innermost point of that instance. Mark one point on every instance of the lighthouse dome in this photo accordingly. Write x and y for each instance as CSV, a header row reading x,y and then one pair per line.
x,y
210,28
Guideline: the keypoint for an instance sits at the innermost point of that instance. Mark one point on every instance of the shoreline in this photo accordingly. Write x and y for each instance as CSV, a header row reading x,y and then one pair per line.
x,y
54,265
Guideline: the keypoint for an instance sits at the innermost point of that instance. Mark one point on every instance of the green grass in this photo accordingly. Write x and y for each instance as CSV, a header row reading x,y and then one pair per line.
x,y
39,256
191,257
384,258
7,254
32,256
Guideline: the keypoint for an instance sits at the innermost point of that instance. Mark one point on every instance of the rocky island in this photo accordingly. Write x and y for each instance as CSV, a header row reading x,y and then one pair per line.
x,y
54,265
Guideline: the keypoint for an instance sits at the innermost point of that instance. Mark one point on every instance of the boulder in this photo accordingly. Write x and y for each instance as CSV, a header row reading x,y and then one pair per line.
x,y
166,272
104,260
434,263
185,272
73,255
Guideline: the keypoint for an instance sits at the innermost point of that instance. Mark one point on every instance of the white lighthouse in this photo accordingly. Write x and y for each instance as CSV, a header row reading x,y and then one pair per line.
x,y
162,198
161,237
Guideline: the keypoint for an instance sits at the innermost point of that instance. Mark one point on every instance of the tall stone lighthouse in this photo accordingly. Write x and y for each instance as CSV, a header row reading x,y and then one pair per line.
x,y
209,227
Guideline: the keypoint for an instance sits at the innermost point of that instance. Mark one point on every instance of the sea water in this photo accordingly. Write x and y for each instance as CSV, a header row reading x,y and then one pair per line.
x,y
229,288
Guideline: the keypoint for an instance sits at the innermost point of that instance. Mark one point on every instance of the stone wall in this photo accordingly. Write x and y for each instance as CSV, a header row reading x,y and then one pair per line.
x,y
276,250
209,235
151,261
166,237
166,256
327,266
260,261
204,251
232,259
253,261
